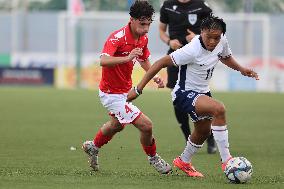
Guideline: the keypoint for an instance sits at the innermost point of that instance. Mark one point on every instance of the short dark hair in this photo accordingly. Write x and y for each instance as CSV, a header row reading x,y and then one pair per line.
x,y
142,9
213,23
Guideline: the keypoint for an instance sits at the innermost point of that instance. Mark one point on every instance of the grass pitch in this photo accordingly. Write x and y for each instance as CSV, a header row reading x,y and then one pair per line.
x,y
39,125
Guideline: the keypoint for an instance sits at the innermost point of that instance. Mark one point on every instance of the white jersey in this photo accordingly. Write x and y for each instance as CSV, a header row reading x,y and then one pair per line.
x,y
196,64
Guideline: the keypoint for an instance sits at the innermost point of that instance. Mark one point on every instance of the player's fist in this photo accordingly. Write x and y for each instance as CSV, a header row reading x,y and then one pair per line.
x,y
131,95
175,44
157,79
189,36
135,53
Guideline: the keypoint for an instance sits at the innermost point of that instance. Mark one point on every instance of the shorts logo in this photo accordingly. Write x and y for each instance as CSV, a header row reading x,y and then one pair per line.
x,y
192,18
190,95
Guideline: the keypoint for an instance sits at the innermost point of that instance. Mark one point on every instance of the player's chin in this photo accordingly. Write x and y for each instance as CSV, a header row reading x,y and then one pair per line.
x,y
143,33
211,48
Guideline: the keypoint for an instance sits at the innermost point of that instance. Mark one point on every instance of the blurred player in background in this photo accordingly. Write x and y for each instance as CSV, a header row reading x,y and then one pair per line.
x,y
191,94
182,18
121,51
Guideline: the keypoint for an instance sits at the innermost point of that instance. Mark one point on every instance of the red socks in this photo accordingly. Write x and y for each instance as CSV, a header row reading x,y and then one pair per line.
x,y
150,150
100,139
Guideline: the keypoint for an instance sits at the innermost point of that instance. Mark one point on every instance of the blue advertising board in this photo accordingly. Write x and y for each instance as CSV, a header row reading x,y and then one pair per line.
x,y
26,76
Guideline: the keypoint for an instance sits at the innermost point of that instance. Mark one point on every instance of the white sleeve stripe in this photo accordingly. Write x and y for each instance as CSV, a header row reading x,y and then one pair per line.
x,y
174,61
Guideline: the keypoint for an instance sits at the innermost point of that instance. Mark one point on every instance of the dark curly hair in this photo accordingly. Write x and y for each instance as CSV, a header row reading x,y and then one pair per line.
x,y
142,9
213,23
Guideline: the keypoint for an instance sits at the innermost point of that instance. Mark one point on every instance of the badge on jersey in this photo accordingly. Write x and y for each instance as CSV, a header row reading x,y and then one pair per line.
x,y
192,18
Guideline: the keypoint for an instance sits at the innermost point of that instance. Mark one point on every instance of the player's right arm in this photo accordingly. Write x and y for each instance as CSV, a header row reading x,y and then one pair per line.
x,y
163,33
172,43
107,60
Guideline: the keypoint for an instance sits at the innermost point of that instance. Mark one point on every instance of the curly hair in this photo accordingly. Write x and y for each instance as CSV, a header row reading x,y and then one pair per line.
x,y
213,23
142,9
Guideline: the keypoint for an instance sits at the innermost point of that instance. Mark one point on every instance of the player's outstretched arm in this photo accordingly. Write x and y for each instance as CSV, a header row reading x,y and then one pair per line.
x,y
157,79
232,63
154,69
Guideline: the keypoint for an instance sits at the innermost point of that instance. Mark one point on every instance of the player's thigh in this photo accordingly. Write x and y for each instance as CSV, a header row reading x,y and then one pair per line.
x,y
143,123
206,105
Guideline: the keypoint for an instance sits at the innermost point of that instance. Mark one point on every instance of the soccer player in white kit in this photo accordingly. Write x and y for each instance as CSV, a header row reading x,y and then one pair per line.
x,y
196,62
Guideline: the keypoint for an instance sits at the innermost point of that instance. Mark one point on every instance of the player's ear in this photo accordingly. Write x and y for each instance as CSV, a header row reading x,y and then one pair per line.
x,y
201,32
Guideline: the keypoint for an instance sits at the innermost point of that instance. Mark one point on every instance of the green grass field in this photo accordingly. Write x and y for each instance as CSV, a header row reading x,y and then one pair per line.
x,y
39,125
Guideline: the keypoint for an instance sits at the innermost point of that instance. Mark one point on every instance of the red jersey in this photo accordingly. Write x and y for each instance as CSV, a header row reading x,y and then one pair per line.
x,y
117,79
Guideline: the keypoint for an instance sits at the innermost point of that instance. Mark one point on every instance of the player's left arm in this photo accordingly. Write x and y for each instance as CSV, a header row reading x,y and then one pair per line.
x,y
154,69
232,63
157,79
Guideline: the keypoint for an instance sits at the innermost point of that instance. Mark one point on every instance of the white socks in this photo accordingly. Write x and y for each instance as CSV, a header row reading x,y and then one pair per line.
x,y
220,134
189,151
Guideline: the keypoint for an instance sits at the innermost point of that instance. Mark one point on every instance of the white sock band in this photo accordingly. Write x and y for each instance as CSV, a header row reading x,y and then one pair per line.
x,y
221,137
189,151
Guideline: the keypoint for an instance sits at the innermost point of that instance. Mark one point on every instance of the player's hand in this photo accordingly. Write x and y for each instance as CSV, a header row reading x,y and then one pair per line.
x,y
175,44
132,95
135,53
157,79
189,36
249,73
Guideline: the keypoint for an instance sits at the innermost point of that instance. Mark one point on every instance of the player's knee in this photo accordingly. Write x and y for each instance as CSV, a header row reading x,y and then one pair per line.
x,y
219,110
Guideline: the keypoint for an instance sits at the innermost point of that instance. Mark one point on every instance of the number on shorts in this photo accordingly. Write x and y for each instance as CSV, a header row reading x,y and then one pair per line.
x,y
127,109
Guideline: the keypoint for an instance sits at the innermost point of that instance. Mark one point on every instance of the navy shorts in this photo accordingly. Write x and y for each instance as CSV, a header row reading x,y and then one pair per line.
x,y
185,101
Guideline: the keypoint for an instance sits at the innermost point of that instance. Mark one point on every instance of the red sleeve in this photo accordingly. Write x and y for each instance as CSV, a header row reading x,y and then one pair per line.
x,y
111,45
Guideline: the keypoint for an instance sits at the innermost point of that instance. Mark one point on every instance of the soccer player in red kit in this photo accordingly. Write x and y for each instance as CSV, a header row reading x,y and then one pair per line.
x,y
124,48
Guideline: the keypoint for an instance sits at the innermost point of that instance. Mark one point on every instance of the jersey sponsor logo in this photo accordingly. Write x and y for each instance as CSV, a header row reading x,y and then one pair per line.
x,y
192,18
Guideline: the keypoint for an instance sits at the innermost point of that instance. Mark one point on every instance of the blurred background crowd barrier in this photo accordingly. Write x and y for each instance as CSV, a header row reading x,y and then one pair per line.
x,y
58,42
